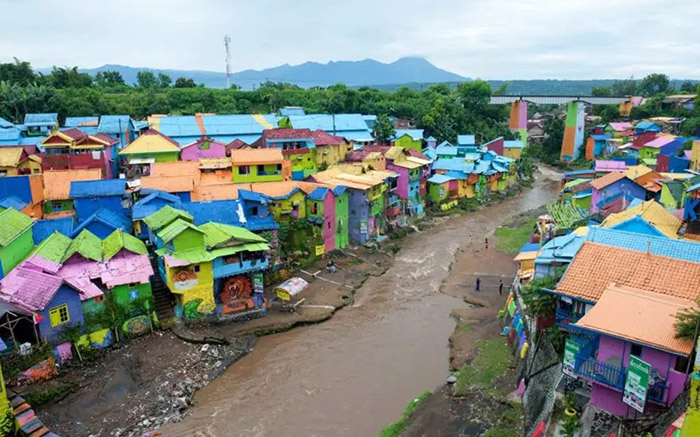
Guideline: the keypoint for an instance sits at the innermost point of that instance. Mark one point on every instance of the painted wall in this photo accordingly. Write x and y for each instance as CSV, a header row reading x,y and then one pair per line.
x,y
195,296
623,185
303,164
438,192
293,207
330,155
358,216
126,294
51,206
15,252
341,221
407,142
258,173
194,153
329,221
86,206
64,295
402,186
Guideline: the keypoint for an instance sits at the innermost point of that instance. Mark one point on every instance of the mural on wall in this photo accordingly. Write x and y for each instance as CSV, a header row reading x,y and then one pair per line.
x,y
236,294
184,279
191,309
136,326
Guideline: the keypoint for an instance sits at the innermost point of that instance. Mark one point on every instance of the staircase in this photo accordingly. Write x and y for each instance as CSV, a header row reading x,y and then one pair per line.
x,y
163,299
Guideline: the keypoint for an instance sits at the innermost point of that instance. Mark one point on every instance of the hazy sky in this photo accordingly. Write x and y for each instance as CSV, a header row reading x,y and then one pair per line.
x,y
491,39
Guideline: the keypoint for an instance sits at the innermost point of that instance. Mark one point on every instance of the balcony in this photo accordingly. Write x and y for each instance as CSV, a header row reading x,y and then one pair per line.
x,y
604,373
567,317
657,393
234,265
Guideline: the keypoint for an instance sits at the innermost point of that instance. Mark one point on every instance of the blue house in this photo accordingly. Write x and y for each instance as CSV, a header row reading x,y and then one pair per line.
x,y
151,202
89,196
599,142
120,127
256,211
103,222
40,124
646,126
228,212
556,253
43,228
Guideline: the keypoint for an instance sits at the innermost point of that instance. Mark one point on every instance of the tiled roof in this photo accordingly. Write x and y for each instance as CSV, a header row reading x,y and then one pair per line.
x,y
53,248
286,133
650,211
119,240
10,156
256,156
57,183
640,317
86,244
608,179
596,266
149,142
165,216
12,224
672,248
99,188
29,288
323,138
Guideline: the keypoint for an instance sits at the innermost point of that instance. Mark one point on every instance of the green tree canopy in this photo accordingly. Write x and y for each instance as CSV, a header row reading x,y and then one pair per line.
x,y
654,84
109,78
146,79
68,77
17,72
164,80
383,129
183,82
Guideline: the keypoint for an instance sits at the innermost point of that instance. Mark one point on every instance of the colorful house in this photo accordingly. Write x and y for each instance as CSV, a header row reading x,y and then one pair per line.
x,y
28,189
16,161
40,124
595,145
162,218
15,239
526,260
121,127
648,218
57,185
619,130
151,201
442,188
513,149
663,144
557,253
90,196
102,223
152,146
330,149
203,148
320,206
74,149
298,146
408,139
287,200
342,213
259,165
352,127
411,182
179,178
613,192
607,297
646,126
603,167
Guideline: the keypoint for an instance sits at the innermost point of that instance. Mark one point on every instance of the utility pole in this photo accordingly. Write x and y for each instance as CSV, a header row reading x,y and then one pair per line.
x,y
227,46
334,123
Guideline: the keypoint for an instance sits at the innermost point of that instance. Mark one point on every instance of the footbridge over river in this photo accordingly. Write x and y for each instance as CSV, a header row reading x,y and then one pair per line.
x,y
574,127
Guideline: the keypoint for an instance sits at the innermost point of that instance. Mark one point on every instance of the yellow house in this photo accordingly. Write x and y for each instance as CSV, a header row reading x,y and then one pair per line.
x,y
330,149
288,200
526,261
695,156
513,149
15,161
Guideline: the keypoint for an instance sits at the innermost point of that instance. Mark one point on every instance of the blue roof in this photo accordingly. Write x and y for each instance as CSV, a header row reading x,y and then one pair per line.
x,y
530,247
5,124
446,148
140,125
225,128
452,164
11,133
292,110
664,246
228,212
113,124
43,228
145,206
47,119
602,137
253,196
13,202
339,190
415,134
318,193
513,144
79,121
430,138
440,179
560,249
98,188
466,140
647,125
328,122
106,217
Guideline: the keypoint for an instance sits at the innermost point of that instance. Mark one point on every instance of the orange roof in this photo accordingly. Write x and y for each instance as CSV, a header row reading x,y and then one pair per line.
x,y
57,182
169,184
595,266
218,177
203,193
639,316
608,179
176,168
256,156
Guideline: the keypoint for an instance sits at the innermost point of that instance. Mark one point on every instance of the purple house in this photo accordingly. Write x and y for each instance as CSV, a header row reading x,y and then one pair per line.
x,y
612,192
203,148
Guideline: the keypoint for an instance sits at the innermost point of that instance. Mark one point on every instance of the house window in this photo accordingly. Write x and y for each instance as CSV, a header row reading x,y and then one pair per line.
x,y
254,210
682,364
196,268
99,299
636,350
261,169
56,206
329,225
59,315
279,167
244,170
314,208
36,170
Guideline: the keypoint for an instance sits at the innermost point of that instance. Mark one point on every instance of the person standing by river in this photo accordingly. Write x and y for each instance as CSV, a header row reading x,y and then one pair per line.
x,y
478,284
500,287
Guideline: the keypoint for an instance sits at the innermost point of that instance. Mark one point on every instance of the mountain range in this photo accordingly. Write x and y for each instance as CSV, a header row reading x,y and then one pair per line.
x,y
367,72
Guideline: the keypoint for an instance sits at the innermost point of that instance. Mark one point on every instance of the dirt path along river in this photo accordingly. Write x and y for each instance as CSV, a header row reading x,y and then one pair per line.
x,y
354,374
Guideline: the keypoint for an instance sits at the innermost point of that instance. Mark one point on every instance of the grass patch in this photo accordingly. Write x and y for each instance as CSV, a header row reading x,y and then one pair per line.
x,y
396,428
463,327
49,396
510,422
510,240
491,363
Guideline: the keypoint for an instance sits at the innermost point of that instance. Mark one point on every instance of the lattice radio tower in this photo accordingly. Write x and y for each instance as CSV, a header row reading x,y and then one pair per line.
x,y
227,45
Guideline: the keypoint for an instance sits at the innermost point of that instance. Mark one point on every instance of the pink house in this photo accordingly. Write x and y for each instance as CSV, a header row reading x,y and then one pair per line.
x,y
321,205
203,148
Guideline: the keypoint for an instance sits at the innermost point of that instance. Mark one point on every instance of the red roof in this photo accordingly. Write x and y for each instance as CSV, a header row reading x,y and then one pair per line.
x,y
417,154
286,133
323,138
75,134
106,138
235,144
642,139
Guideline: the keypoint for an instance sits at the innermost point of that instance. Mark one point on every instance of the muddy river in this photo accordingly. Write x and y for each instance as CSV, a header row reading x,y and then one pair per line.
x,y
353,374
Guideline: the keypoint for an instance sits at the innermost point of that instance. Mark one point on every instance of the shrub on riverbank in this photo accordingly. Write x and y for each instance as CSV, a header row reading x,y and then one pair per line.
x,y
396,428
510,240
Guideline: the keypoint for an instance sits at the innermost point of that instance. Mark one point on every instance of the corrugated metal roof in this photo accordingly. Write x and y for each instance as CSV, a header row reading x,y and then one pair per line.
x,y
13,223
513,144
10,156
170,184
672,248
165,216
660,142
466,140
175,228
114,124
4,124
29,288
639,316
151,142
100,188
440,179
46,119
329,122
54,247
57,183
650,211
144,207
119,240
219,234
415,134
256,156
86,244
228,212
42,229
13,202
106,217
318,193
608,179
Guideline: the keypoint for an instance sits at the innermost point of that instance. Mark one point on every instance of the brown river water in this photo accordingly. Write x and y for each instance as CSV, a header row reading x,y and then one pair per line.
x,y
354,374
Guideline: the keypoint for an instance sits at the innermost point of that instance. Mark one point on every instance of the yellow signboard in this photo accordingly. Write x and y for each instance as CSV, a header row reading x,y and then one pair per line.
x,y
320,249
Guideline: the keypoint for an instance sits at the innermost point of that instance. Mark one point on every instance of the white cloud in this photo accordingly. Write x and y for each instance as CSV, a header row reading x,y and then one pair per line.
x,y
503,39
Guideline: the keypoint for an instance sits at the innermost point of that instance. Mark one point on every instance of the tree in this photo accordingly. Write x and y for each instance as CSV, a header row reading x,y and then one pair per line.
x,y
383,129
146,79
625,87
654,84
17,72
164,80
68,77
601,91
474,95
109,78
687,87
183,82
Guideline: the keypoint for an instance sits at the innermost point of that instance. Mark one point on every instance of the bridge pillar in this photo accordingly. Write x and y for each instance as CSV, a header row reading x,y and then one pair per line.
x,y
573,132
518,120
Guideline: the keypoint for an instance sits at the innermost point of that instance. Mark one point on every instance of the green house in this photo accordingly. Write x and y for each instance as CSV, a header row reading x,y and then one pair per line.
x,y
259,165
16,240
409,139
341,217
151,146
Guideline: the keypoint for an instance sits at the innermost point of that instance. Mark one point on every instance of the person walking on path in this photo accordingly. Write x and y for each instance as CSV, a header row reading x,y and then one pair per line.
x,y
500,287
478,284
486,241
